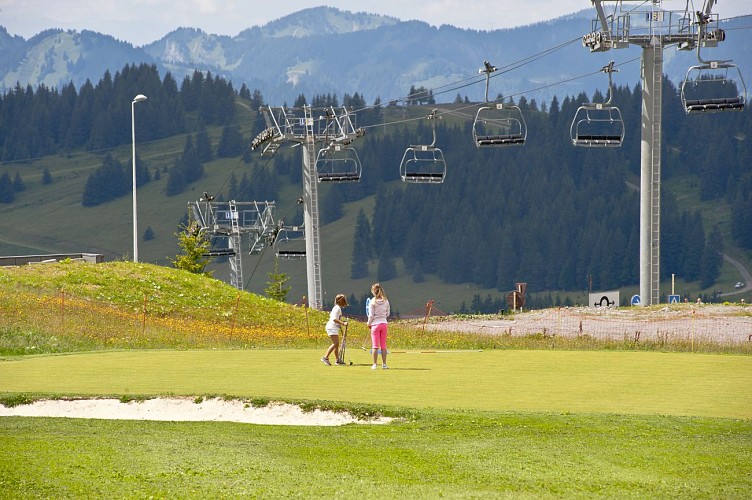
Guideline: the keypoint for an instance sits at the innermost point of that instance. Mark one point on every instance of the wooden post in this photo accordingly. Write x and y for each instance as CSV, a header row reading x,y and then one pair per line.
x,y
308,324
62,310
143,318
235,315
429,306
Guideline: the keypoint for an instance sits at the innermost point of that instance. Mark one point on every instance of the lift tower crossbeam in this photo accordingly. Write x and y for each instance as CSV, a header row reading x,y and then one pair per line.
x,y
230,220
653,29
312,131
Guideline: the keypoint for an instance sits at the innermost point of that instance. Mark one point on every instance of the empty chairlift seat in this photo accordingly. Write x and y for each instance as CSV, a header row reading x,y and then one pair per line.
x,y
597,125
290,243
713,86
499,125
423,164
338,163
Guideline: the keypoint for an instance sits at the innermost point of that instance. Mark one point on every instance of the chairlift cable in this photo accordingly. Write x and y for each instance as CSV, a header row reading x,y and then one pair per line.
x,y
234,168
475,79
457,111
261,255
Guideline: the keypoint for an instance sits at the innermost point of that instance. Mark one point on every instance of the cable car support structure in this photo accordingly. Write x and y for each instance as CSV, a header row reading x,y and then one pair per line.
x,y
321,138
652,29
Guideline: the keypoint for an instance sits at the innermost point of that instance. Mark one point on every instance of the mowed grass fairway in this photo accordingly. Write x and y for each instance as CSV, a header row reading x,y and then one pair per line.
x,y
553,381
521,424
518,419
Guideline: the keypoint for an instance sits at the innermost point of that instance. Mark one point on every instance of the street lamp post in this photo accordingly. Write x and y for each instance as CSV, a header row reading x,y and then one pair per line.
x,y
138,98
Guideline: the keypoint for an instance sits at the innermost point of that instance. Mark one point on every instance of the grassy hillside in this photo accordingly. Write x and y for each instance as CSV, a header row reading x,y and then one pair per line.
x,y
51,219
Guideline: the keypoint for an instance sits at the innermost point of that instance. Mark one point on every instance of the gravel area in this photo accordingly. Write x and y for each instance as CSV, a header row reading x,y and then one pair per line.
x,y
718,323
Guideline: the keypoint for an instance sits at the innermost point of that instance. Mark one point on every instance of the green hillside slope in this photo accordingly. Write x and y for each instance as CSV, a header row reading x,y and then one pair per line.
x,y
50,219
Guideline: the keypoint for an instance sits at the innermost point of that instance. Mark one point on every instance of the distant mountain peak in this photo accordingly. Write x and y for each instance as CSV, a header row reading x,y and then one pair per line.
x,y
324,21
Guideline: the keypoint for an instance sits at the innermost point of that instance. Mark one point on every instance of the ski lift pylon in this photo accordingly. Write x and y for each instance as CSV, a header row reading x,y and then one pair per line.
x,y
424,164
598,124
498,124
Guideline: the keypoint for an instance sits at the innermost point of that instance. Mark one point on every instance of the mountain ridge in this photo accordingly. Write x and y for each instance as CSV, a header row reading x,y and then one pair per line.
x,y
324,50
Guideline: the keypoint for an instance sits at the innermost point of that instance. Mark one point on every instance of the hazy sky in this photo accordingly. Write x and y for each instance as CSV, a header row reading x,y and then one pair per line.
x,y
143,21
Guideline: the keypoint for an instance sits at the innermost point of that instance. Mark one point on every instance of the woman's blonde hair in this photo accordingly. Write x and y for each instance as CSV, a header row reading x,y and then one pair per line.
x,y
377,291
341,298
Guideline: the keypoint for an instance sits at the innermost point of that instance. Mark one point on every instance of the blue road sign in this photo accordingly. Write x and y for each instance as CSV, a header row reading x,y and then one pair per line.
x,y
635,300
673,299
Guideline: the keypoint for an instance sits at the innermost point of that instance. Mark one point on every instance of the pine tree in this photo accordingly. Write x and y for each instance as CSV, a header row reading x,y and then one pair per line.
x,y
143,176
363,236
418,273
190,164
232,188
7,193
175,180
712,259
331,208
46,177
203,145
244,93
194,244
18,183
276,286
359,260
231,142
107,183
257,100
386,269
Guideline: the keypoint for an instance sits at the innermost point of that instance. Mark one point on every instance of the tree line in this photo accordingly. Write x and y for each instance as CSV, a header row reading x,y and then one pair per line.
x,y
548,213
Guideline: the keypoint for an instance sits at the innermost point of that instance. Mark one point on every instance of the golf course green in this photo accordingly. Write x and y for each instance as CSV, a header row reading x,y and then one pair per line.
x,y
651,383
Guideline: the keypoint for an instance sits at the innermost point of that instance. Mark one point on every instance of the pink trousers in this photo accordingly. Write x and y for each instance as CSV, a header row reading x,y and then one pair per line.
x,y
378,336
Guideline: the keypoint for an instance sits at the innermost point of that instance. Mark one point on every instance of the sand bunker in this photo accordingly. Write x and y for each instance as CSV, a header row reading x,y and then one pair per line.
x,y
185,410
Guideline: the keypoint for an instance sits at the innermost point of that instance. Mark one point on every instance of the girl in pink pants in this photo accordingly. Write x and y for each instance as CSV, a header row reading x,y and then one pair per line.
x,y
378,312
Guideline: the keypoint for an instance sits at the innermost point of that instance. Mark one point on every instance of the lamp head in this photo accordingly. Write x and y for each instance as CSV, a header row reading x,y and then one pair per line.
x,y
139,98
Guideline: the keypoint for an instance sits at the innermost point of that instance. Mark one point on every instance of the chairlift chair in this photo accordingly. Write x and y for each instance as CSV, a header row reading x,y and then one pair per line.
x,y
290,243
338,163
498,124
424,164
712,86
598,124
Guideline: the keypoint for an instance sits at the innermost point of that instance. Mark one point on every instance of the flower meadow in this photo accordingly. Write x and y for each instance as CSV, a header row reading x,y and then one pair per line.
x,y
73,306
66,320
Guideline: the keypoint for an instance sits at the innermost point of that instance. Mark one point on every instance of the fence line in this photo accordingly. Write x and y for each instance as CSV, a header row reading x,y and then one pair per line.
x,y
735,326
109,325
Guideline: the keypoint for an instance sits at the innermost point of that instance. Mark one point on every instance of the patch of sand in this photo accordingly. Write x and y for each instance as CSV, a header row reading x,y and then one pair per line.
x,y
185,410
